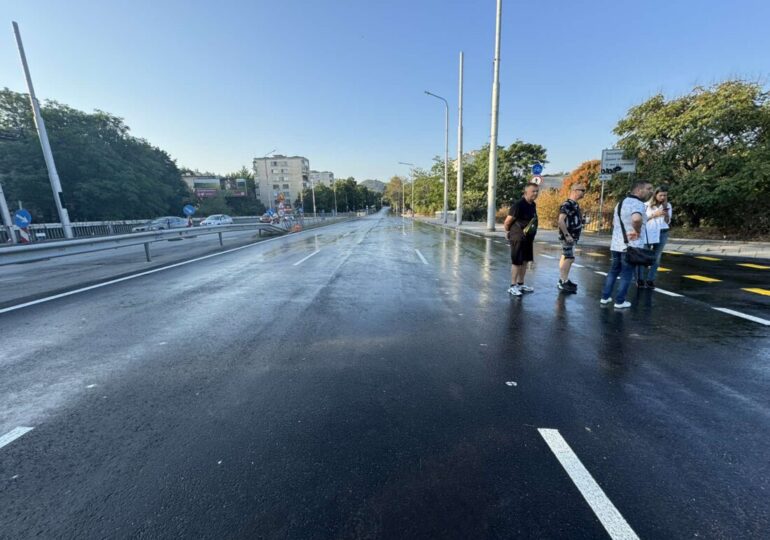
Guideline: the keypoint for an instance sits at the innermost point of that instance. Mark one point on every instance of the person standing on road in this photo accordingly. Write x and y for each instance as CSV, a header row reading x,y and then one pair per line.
x,y
659,214
570,227
521,227
633,214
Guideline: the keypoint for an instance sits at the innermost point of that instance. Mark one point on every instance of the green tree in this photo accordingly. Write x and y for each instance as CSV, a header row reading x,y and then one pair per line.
x,y
105,172
711,147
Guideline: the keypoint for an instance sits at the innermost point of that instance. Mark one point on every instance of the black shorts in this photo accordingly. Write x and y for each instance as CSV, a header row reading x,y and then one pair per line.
x,y
521,251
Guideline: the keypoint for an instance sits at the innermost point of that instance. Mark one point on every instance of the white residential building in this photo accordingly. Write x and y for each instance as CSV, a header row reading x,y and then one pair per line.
x,y
281,177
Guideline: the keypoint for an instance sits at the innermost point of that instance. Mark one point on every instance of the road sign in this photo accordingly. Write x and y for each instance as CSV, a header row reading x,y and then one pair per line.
x,y
188,210
613,163
537,180
22,218
537,169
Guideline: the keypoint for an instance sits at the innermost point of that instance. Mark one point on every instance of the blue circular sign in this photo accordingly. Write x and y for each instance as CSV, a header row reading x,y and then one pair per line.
x,y
188,210
537,169
22,218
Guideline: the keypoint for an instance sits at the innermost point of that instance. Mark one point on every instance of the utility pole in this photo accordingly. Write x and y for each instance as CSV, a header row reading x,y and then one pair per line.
x,y
459,210
53,176
492,181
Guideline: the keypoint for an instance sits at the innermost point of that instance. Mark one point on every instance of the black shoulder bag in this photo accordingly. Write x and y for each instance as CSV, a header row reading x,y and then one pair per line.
x,y
638,256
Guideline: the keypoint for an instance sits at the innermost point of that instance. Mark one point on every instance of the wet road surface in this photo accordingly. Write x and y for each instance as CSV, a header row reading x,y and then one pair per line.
x,y
373,379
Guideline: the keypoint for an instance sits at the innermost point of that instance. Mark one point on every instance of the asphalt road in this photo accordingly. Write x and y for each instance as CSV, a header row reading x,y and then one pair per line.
x,y
372,379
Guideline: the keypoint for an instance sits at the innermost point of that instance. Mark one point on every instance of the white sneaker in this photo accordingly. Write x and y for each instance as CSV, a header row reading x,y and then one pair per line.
x,y
514,290
526,288
605,301
624,305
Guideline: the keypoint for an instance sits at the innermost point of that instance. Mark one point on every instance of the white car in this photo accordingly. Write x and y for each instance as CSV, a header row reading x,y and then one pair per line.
x,y
217,219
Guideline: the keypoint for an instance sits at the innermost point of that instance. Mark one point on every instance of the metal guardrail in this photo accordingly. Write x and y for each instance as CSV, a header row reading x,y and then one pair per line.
x,y
45,232
49,250
62,248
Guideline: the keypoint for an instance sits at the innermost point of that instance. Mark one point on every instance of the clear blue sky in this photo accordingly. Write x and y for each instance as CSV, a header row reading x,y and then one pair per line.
x,y
341,82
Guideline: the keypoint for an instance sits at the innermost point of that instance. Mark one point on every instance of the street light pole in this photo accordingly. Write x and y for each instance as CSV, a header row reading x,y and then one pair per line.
x,y
492,181
267,178
459,210
413,166
53,175
446,153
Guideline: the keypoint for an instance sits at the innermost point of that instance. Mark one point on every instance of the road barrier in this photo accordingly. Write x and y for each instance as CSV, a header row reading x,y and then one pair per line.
x,y
48,250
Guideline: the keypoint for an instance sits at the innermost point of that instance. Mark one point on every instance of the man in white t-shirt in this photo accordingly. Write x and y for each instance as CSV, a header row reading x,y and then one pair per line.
x,y
633,212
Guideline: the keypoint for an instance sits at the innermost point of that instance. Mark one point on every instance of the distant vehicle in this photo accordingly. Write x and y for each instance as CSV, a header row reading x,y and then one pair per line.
x,y
162,223
265,218
217,219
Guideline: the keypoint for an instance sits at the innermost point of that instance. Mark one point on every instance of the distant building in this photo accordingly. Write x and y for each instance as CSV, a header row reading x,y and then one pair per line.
x,y
281,177
552,182
203,186
325,177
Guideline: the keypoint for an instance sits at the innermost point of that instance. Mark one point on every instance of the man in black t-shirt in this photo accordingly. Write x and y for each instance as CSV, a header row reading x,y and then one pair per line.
x,y
521,227
570,227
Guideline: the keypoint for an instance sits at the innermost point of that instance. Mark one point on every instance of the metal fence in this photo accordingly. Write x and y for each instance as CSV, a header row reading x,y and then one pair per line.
x,y
90,229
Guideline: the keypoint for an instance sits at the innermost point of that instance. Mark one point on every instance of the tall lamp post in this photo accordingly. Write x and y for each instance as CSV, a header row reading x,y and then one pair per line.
x,y
492,179
446,153
267,178
412,165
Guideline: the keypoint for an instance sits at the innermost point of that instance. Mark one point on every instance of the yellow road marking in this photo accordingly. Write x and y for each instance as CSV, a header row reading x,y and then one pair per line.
x,y
672,253
702,278
661,269
755,266
763,292
595,254
704,258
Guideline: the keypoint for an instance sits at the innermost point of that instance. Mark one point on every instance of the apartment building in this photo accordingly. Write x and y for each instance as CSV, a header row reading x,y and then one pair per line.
x,y
281,176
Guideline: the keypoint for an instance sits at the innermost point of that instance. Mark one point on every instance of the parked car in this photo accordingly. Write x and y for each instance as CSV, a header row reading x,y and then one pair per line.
x,y
217,219
162,223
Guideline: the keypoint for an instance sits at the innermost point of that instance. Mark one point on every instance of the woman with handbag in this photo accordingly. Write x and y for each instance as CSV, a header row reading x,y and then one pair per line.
x,y
627,247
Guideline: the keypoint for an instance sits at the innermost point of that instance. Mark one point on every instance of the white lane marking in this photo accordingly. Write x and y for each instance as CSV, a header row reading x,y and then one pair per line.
x,y
133,276
743,316
421,257
306,258
547,256
669,293
610,517
601,273
14,434
576,265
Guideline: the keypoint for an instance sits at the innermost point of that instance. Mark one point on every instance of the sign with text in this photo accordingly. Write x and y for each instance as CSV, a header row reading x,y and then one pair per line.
x,y
613,163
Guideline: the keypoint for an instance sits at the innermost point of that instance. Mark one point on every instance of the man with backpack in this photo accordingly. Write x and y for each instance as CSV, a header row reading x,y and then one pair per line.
x,y
521,227
570,226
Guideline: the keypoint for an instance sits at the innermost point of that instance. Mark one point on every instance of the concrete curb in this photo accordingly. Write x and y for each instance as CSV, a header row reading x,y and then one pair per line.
x,y
745,250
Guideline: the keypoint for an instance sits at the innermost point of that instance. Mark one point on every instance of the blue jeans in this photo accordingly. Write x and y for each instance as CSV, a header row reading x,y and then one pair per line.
x,y
659,247
620,267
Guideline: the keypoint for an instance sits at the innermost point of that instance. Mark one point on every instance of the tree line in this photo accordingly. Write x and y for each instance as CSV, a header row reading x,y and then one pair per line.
x,y
710,146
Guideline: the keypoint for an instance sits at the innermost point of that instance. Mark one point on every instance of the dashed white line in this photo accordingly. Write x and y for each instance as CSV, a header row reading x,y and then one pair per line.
x,y
547,256
743,315
610,517
306,258
421,257
576,265
14,434
669,293
600,273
